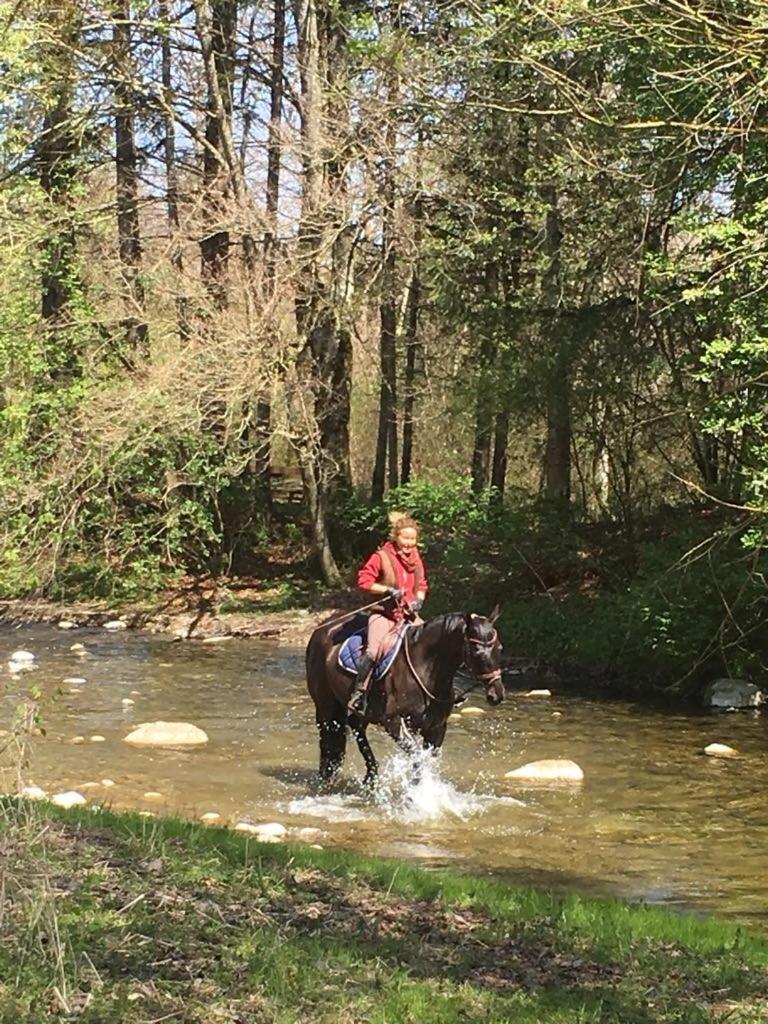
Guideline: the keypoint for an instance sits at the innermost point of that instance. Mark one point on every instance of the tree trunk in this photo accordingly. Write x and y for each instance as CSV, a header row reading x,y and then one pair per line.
x,y
262,428
274,148
172,172
499,465
216,27
412,347
481,450
126,182
386,445
324,362
557,456
55,161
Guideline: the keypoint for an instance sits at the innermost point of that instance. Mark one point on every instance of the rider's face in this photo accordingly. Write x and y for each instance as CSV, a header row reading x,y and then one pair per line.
x,y
407,539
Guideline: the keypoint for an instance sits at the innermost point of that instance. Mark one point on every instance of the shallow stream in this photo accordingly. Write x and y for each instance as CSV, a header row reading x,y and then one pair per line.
x,y
655,819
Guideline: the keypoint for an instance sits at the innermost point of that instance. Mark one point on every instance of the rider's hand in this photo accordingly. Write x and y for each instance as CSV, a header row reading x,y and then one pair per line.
x,y
416,604
395,593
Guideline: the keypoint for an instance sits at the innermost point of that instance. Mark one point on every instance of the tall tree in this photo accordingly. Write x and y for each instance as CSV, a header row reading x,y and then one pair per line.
x,y
56,159
386,461
126,182
172,195
216,22
324,361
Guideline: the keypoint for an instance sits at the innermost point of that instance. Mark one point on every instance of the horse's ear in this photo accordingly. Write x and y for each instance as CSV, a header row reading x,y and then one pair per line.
x,y
494,614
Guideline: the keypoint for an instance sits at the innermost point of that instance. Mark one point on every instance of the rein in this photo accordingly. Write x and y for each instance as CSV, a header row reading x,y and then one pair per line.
x,y
355,611
427,693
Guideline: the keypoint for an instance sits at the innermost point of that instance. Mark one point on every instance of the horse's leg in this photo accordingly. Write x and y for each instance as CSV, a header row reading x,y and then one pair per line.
x,y
404,734
433,737
333,740
358,727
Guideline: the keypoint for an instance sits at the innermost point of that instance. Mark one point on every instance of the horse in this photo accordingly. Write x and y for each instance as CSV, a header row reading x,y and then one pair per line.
x,y
415,696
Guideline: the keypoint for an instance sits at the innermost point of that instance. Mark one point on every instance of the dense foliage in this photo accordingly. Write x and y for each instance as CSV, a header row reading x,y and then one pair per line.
x,y
378,248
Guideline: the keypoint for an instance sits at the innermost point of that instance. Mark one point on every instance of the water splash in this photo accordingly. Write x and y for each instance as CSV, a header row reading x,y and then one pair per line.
x,y
410,790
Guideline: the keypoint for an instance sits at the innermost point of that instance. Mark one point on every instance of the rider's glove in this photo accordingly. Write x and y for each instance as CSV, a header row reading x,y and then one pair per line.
x,y
416,604
395,593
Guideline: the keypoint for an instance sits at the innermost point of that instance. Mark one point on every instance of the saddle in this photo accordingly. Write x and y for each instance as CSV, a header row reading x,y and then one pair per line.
x,y
352,637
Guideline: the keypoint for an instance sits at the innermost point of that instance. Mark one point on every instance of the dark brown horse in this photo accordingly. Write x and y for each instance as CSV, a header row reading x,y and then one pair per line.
x,y
415,697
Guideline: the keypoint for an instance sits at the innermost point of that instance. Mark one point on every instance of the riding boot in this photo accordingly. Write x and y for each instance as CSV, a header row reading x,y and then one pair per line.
x,y
359,696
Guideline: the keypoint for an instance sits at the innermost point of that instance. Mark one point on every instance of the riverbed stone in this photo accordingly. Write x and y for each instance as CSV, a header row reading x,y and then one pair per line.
x,y
98,739
547,770
309,832
69,799
77,740
23,657
115,624
537,693
472,711
127,702
265,833
210,818
33,792
271,828
74,681
107,783
66,624
720,750
78,648
167,734
732,693
152,794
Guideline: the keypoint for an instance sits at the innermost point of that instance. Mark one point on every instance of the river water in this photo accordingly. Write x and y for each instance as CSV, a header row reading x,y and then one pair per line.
x,y
654,820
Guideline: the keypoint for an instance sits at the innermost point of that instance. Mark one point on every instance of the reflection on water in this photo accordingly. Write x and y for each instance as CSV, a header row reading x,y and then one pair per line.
x,y
655,819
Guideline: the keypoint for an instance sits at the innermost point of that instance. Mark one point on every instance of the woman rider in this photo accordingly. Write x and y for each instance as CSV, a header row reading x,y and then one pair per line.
x,y
397,571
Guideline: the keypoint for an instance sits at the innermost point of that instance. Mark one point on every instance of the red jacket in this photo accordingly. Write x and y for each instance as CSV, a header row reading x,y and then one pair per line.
x,y
408,580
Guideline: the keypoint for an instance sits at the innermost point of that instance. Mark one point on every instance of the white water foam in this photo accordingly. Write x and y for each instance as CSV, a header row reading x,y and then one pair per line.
x,y
410,789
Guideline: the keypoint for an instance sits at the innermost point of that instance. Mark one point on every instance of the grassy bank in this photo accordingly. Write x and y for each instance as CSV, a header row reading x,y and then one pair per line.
x,y
116,918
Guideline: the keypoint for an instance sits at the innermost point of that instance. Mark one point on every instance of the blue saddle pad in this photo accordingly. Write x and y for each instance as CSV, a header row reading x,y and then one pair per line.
x,y
353,647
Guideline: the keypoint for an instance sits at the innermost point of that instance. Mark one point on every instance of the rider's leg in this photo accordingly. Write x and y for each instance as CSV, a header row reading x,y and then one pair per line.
x,y
379,627
358,697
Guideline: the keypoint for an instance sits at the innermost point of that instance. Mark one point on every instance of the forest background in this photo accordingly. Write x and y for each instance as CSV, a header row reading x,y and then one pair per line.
x,y
270,269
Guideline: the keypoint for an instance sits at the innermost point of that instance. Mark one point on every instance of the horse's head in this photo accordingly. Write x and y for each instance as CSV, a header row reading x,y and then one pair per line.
x,y
482,654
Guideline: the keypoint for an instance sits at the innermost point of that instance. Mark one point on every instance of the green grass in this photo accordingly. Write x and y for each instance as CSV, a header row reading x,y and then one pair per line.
x,y
113,918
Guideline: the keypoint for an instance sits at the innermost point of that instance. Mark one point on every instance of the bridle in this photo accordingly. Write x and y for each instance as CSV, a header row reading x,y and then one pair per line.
x,y
488,645
489,676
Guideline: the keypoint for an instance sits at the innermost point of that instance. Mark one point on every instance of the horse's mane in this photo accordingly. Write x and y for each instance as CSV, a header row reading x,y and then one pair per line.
x,y
450,622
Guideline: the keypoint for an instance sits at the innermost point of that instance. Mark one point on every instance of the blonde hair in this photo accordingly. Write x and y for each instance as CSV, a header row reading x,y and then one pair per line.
x,y
400,521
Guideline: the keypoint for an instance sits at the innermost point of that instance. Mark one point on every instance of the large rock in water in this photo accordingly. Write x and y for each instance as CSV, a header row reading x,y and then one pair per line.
x,y
548,770
732,693
166,734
